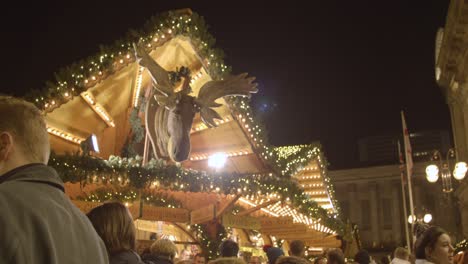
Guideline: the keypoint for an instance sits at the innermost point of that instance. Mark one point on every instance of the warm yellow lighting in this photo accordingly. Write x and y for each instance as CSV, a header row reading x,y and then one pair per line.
x,y
137,90
432,173
460,171
411,219
427,218
201,126
97,108
64,135
217,160
229,154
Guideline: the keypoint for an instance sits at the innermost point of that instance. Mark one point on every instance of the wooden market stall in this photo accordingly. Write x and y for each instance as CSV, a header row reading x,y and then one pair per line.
x,y
262,195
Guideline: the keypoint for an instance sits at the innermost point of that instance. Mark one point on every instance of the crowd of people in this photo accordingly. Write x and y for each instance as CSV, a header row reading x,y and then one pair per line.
x,y
39,223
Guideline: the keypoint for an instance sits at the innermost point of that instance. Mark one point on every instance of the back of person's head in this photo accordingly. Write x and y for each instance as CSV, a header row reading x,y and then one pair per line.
x,y
228,248
297,248
401,253
114,225
427,240
320,260
199,258
164,248
335,256
273,253
291,260
362,257
23,131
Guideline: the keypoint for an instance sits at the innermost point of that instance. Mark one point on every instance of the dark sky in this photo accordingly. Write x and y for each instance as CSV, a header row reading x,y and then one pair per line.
x,y
332,71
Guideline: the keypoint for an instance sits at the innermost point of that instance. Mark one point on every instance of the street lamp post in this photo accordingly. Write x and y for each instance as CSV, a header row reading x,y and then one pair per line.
x,y
426,218
432,170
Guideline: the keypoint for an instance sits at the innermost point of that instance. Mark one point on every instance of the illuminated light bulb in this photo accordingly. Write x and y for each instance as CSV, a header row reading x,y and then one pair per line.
x,y
432,173
460,171
427,218
121,61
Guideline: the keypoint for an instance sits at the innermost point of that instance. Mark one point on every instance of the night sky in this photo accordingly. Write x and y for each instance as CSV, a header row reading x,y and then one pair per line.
x,y
333,71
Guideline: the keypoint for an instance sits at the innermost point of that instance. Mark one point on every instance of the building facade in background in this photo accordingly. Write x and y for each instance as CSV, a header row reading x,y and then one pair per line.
x,y
451,73
372,198
383,149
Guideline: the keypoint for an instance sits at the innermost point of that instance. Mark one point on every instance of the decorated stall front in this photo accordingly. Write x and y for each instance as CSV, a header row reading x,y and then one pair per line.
x,y
158,122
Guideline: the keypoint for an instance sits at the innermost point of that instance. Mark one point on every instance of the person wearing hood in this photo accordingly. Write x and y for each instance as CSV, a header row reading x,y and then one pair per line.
x,y
39,223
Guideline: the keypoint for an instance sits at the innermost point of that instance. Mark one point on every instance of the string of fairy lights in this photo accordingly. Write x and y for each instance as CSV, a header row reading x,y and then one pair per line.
x,y
129,195
75,79
128,171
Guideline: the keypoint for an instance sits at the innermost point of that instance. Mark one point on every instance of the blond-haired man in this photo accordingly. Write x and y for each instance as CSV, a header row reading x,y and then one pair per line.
x,y
38,223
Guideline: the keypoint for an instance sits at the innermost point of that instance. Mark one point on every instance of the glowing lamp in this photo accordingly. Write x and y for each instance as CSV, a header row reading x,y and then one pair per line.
x,y
217,160
460,171
432,173
427,218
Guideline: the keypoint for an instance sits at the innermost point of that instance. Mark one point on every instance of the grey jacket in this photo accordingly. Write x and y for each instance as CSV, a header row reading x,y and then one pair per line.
x,y
39,224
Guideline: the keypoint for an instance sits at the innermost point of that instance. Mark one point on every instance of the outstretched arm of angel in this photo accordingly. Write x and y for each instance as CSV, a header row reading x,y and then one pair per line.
x,y
159,75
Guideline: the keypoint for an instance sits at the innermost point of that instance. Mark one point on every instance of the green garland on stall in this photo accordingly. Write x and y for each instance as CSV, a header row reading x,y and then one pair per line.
x,y
210,247
128,194
288,160
71,81
77,78
87,169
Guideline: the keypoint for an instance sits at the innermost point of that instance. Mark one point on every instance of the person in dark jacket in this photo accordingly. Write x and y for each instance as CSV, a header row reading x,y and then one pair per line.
x,y
38,224
114,225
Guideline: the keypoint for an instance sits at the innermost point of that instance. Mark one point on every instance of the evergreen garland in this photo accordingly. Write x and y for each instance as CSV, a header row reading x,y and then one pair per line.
x,y
128,194
86,169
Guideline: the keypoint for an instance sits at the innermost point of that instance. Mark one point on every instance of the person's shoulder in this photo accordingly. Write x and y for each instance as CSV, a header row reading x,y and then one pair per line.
x,y
125,257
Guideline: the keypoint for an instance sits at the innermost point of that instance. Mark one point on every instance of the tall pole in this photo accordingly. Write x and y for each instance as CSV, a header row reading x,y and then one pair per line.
x,y
405,212
409,165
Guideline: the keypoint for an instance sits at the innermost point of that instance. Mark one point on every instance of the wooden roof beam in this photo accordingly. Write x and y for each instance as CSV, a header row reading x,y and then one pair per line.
x,y
227,206
98,108
201,126
256,208
64,135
